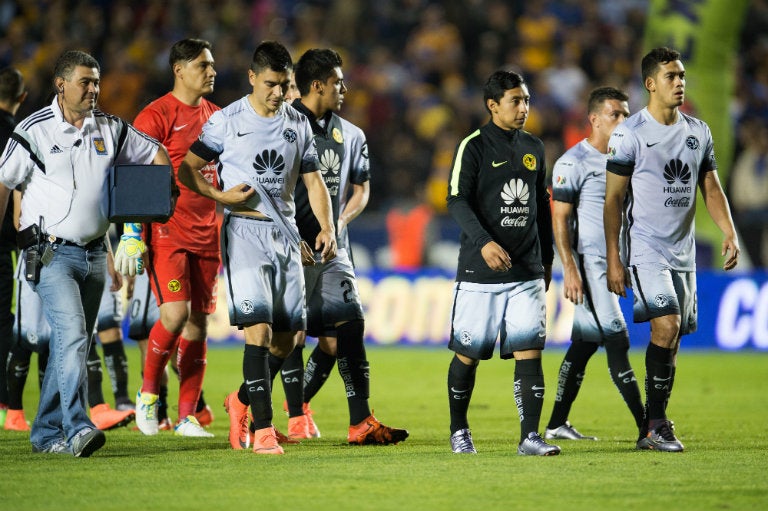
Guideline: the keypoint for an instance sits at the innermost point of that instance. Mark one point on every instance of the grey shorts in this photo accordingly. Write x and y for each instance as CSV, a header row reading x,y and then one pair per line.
x,y
514,313
143,309
264,276
332,294
598,318
661,291
110,308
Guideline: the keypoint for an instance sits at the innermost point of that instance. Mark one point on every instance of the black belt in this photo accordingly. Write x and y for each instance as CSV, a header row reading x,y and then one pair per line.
x,y
249,217
91,245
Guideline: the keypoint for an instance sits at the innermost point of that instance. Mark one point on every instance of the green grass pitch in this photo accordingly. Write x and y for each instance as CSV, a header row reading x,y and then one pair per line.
x,y
718,405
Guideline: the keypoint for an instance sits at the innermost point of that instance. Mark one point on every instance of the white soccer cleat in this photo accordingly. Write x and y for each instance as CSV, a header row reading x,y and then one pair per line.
x,y
146,413
189,426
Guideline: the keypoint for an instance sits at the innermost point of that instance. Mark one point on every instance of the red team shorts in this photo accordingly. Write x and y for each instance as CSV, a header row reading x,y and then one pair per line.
x,y
176,275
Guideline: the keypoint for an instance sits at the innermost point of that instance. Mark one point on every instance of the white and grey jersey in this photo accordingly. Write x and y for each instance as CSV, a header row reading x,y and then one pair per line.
x,y
63,170
250,148
665,164
578,178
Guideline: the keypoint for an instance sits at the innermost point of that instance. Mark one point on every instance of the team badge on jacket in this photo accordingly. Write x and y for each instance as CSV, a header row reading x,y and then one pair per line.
x,y
99,145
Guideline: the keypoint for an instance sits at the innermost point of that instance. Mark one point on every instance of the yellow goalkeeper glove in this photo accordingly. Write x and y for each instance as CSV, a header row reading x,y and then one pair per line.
x,y
128,257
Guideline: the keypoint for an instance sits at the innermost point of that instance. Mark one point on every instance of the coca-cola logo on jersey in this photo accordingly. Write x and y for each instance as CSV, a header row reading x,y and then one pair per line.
x,y
677,202
515,196
517,221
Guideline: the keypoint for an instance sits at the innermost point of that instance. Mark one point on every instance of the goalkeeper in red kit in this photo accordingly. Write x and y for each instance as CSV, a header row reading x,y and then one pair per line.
x,y
182,256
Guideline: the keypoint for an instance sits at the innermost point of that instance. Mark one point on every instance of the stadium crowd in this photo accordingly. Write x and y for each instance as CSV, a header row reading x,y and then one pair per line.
x,y
412,66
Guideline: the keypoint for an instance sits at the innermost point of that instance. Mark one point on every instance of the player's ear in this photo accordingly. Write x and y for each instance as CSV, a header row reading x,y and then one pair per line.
x,y
317,86
650,84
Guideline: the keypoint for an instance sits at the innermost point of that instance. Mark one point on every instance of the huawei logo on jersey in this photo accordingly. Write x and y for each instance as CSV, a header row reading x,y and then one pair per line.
x,y
676,170
269,160
515,190
515,195
329,162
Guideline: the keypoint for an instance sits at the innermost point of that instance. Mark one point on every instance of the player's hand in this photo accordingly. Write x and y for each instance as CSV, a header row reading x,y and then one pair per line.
x,y
618,278
326,241
307,255
130,285
128,257
496,257
731,246
573,287
238,195
117,280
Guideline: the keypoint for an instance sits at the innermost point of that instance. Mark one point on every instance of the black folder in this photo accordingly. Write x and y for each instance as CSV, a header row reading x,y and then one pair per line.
x,y
140,193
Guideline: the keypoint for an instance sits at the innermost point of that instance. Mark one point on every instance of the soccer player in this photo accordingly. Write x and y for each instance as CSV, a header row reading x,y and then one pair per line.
x,y
498,196
263,147
183,254
69,146
660,155
578,188
12,95
335,313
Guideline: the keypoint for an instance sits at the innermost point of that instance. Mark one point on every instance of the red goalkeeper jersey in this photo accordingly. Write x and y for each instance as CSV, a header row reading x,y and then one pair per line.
x,y
177,125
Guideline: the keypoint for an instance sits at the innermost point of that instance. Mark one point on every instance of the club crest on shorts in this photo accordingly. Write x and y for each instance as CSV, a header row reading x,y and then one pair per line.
x,y
661,301
465,338
174,286
246,307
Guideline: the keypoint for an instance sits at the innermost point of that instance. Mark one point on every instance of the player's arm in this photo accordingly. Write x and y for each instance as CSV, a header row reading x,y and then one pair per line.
x,y
573,288
355,205
191,176
16,210
320,202
717,205
5,192
544,221
114,275
615,191
461,186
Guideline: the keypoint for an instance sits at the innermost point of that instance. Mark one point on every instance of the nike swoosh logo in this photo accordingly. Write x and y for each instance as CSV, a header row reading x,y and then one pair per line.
x,y
648,144
178,128
251,382
498,164
656,378
622,375
291,371
459,391
537,388
243,134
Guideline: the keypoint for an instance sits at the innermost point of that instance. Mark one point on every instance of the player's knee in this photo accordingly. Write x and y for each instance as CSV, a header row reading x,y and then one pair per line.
x,y
328,344
665,331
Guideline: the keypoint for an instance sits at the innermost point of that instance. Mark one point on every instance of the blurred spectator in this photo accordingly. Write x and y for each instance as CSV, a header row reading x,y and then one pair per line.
x,y
749,189
414,64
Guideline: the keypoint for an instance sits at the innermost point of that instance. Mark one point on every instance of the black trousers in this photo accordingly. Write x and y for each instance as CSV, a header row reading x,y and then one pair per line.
x,y
7,259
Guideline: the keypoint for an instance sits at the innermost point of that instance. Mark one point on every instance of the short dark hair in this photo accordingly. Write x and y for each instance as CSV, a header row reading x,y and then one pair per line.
x,y
655,58
69,60
498,84
271,55
602,94
11,84
187,50
315,64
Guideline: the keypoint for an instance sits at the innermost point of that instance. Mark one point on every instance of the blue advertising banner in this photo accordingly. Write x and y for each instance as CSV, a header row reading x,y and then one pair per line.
x,y
415,309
